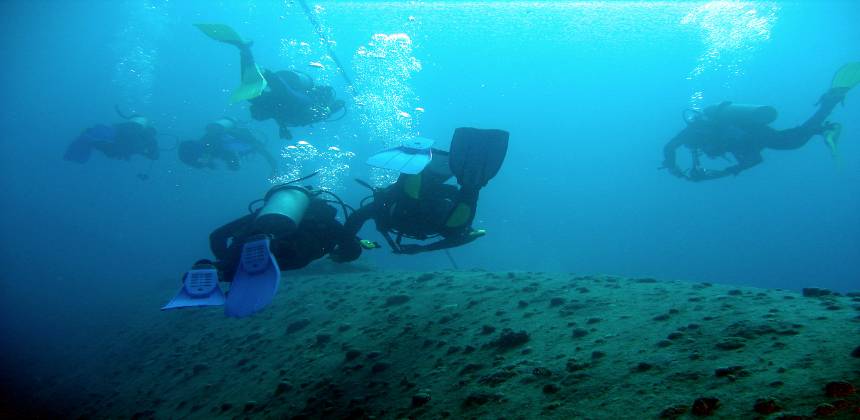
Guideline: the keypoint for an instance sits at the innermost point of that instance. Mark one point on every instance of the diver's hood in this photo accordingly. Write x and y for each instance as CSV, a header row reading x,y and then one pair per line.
x,y
141,121
225,122
221,124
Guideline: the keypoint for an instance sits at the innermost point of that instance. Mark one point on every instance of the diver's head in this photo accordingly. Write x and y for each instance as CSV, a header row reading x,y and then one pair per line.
x,y
192,153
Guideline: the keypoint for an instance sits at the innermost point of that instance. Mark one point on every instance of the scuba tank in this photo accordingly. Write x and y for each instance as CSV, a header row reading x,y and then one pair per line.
x,y
141,121
740,114
221,125
283,209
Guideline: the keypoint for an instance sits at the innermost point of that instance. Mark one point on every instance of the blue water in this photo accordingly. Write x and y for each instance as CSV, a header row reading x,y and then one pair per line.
x,y
590,92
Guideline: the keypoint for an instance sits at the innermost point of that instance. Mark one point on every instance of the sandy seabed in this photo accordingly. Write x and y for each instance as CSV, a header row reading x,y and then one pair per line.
x,y
483,345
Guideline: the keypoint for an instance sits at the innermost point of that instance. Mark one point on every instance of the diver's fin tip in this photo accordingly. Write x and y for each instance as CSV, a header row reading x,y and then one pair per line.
x,y
255,282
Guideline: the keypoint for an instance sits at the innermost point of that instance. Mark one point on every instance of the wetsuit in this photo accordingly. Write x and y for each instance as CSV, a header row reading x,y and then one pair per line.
x,y
291,99
318,234
744,142
419,207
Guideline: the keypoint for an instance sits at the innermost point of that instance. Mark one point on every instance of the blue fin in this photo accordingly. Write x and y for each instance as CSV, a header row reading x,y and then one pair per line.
x,y
199,288
81,149
255,282
410,158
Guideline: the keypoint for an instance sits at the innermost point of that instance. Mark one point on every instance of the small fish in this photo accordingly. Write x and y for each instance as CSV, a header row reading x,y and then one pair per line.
x,y
333,148
404,114
317,64
419,109
303,143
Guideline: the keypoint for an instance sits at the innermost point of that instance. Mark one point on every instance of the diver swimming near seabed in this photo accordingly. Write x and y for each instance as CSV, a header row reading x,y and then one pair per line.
x,y
289,97
225,141
743,131
420,205
134,136
293,227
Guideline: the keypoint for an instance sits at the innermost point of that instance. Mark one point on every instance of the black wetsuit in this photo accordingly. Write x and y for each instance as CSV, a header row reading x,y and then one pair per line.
x,y
290,99
318,234
744,142
420,213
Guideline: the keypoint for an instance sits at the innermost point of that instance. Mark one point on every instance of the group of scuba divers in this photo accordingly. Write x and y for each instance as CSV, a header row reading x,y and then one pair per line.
x,y
294,225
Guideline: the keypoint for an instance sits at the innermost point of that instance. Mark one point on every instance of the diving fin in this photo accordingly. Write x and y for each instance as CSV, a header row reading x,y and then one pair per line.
x,y
199,288
477,155
831,139
253,82
221,33
255,282
410,158
846,77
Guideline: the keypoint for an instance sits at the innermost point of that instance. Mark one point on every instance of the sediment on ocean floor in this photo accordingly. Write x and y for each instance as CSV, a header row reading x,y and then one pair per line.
x,y
483,344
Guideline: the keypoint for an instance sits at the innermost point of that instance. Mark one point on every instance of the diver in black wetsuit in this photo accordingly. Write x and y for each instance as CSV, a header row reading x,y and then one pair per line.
x,y
224,141
318,234
422,206
716,132
742,131
289,97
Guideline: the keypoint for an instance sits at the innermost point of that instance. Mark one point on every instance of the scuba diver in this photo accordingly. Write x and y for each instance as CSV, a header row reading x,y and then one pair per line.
x,y
224,141
294,226
743,131
135,136
420,205
289,97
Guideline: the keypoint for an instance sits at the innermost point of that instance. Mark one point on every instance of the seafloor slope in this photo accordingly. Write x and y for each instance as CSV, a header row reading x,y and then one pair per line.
x,y
490,345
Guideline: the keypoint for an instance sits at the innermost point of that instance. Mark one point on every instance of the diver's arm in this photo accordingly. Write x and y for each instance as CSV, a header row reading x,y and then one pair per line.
x,y
219,239
745,161
347,246
669,151
359,217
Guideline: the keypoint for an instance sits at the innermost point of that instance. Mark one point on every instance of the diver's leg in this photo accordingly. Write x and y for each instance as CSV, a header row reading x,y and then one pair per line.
x,y
246,57
826,104
794,138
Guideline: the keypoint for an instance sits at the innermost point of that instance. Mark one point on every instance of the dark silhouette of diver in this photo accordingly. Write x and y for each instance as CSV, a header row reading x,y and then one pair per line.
x,y
289,97
743,131
420,205
134,136
225,141
293,227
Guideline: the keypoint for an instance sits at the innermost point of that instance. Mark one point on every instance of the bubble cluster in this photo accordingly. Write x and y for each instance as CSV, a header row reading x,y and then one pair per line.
x,y
386,103
325,154
302,158
311,55
731,32
136,46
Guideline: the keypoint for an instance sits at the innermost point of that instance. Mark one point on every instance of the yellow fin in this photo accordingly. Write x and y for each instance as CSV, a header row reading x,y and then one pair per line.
x,y
831,139
847,76
253,84
220,32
